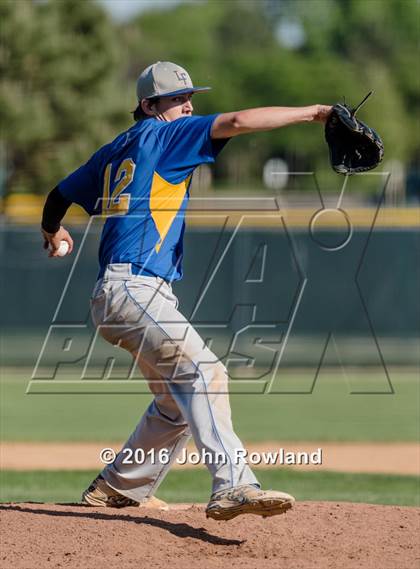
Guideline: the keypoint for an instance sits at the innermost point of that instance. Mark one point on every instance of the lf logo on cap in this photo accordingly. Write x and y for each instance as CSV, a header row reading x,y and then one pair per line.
x,y
181,76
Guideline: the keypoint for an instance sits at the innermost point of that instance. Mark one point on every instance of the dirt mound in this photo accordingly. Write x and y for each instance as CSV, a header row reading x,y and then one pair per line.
x,y
312,535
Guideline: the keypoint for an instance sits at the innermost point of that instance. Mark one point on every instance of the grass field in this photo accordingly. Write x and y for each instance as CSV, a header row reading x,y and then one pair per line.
x,y
194,486
330,413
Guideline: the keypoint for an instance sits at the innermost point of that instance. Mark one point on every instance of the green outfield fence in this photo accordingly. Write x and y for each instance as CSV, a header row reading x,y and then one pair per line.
x,y
249,291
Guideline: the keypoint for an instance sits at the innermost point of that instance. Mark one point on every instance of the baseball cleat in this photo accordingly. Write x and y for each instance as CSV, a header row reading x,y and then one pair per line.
x,y
101,495
227,504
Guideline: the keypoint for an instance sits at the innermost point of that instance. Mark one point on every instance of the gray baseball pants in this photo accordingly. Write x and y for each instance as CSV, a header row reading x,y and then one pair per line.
x,y
189,383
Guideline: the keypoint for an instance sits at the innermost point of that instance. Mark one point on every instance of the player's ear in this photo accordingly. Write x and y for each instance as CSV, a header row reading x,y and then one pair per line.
x,y
148,107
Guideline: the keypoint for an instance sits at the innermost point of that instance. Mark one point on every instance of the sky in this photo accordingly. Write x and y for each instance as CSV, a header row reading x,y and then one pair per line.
x,y
123,10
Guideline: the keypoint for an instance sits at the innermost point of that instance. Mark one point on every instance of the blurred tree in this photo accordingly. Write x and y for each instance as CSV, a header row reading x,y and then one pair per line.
x,y
346,47
227,46
68,75
59,68
354,46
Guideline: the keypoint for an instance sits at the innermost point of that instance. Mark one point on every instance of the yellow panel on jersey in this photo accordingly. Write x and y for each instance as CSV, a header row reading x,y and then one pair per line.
x,y
165,201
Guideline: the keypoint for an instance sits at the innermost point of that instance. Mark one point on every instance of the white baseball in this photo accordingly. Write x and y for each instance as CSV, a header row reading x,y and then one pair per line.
x,y
63,249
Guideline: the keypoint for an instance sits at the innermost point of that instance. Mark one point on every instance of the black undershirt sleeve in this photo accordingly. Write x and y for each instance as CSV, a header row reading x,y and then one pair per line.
x,y
55,209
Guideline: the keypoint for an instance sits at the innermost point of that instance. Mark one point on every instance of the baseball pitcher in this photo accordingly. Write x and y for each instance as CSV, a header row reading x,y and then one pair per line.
x,y
140,183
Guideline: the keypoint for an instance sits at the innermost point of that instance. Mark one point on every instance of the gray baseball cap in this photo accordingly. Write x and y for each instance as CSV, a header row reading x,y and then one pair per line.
x,y
164,79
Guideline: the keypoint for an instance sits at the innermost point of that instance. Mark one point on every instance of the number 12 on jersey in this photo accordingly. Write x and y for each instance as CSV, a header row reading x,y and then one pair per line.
x,y
117,203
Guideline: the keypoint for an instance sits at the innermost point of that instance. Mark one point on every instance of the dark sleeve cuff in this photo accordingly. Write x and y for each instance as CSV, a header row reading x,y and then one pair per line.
x,y
55,209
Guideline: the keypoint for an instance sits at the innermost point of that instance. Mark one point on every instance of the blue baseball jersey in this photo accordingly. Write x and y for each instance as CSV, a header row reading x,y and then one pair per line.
x,y
140,183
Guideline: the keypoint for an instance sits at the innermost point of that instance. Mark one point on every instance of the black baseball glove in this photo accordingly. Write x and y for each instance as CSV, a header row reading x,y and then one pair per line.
x,y
354,147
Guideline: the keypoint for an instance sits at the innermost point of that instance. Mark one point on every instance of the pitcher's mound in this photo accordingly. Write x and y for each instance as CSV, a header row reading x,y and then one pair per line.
x,y
311,535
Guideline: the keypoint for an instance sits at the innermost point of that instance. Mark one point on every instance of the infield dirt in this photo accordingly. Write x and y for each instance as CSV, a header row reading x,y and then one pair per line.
x,y
376,457
313,535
